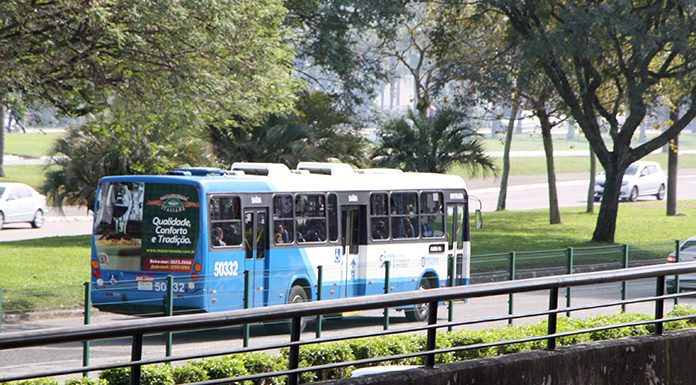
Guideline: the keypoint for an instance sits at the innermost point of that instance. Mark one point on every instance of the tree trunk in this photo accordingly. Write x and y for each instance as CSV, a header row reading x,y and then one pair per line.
x,y
672,160
590,189
3,111
502,194
554,212
609,208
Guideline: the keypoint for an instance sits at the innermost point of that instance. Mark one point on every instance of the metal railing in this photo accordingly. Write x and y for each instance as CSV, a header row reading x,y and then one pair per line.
x,y
136,329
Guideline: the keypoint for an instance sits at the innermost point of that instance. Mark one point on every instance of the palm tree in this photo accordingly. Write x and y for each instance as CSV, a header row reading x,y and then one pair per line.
x,y
431,144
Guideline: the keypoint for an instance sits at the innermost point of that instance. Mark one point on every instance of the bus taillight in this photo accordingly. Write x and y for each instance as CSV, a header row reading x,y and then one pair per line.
x,y
97,273
95,264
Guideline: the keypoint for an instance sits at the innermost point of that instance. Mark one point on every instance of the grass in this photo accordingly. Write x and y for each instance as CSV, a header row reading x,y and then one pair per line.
x,y
576,164
33,175
44,273
32,145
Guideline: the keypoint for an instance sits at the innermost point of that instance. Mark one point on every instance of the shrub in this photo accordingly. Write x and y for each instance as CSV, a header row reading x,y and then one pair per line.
x,y
189,373
265,363
85,381
312,355
223,367
606,320
471,337
151,375
37,381
680,311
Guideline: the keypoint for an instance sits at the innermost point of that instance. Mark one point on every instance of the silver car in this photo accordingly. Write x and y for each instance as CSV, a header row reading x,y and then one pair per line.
x,y
640,178
687,253
21,203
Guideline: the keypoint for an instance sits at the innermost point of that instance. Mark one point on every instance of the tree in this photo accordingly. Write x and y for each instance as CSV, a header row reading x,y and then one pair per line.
x,y
606,60
120,144
197,56
430,144
335,43
316,131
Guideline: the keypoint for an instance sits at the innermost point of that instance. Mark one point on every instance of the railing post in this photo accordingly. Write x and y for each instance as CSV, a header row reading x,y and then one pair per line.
x,y
170,312
623,283
553,318
511,303
87,319
659,304
431,341
294,351
320,283
569,270
677,286
451,263
247,292
387,267
136,355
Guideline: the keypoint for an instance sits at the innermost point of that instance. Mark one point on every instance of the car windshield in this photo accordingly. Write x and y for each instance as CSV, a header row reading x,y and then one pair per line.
x,y
631,170
688,245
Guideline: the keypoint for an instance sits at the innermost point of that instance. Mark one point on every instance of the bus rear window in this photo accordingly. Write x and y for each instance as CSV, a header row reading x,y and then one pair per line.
x,y
146,226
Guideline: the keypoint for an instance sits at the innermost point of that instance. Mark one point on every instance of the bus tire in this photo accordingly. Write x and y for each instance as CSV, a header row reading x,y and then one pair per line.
x,y
420,311
297,295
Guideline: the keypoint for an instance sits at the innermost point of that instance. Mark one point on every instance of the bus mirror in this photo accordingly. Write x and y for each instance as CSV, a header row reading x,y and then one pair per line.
x,y
478,219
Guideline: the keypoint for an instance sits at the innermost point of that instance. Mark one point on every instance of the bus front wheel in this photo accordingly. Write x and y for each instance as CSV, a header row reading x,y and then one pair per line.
x,y
297,295
420,311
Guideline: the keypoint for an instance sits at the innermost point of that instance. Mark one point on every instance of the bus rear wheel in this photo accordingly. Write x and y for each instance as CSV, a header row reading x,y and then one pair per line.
x,y
297,295
420,311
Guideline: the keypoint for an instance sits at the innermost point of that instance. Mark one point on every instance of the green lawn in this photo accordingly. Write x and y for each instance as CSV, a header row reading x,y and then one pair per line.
x,y
32,145
44,273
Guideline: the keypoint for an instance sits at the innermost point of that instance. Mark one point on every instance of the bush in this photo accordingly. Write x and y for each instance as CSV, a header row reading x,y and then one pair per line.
x,y
151,375
606,320
85,381
189,373
471,337
37,381
680,311
265,363
312,355
223,367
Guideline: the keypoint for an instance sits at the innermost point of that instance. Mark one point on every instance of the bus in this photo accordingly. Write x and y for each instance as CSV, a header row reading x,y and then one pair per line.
x,y
267,229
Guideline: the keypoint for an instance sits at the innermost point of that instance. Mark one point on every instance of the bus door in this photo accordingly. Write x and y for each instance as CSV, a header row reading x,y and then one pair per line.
x,y
353,243
256,258
455,230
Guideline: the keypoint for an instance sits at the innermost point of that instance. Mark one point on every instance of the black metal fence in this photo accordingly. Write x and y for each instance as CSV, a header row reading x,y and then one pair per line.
x,y
136,329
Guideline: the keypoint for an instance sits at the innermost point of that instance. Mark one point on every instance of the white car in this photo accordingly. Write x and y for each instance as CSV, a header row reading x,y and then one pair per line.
x,y
687,253
21,203
640,179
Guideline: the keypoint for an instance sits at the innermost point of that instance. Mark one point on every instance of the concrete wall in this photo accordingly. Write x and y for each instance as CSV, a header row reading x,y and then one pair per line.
x,y
647,360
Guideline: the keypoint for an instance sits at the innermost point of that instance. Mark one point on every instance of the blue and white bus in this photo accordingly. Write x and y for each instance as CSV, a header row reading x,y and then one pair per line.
x,y
207,227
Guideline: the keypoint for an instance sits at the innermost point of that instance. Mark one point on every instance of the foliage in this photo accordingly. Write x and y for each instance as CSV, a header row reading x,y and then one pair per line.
x,y
38,381
430,144
223,367
160,374
189,373
608,61
118,145
336,39
312,355
318,131
264,363
85,381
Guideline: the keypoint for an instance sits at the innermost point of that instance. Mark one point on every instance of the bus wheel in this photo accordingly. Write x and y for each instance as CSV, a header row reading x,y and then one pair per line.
x,y
420,311
297,295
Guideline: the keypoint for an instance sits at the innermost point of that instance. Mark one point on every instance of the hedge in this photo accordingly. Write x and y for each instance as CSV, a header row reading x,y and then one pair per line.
x,y
375,347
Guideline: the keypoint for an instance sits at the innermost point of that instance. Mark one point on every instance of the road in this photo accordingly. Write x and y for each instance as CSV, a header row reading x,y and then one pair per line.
x,y
32,360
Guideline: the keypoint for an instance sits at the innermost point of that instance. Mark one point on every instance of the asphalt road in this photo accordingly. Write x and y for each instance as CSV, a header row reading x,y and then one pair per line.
x,y
33,360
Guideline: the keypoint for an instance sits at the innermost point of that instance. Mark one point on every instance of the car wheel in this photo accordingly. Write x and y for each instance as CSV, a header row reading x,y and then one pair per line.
x,y
38,219
2,220
297,295
634,194
420,311
660,193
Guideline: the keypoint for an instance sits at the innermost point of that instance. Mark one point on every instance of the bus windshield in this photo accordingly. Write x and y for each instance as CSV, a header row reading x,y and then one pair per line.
x,y
146,226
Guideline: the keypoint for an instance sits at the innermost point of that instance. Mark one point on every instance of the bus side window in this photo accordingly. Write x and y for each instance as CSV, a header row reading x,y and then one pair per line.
x,y
283,222
225,221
